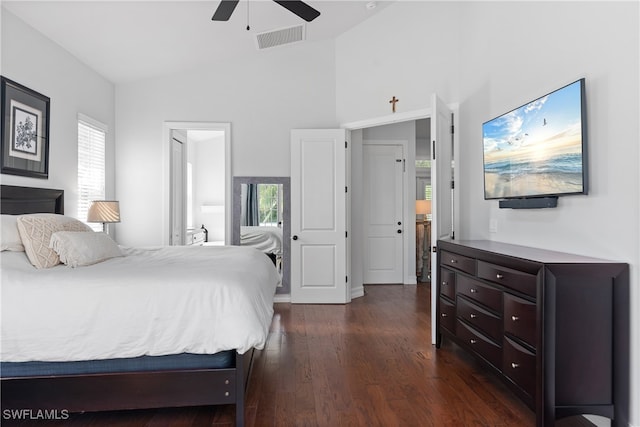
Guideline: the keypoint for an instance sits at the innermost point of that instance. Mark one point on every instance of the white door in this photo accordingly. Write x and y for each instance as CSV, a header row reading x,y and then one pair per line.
x,y
177,195
318,216
383,213
441,188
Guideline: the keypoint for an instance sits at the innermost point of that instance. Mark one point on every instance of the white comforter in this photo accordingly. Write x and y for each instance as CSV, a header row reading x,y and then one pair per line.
x,y
153,301
266,239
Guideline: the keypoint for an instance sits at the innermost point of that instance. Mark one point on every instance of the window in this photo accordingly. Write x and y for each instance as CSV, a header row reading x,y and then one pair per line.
x,y
269,197
91,165
427,192
427,196
423,164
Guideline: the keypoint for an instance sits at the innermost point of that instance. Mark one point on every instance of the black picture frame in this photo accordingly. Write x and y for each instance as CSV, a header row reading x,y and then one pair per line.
x,y
25,131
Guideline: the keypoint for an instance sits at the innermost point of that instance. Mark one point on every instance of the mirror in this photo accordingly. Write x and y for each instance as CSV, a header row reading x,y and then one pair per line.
x,y
261,219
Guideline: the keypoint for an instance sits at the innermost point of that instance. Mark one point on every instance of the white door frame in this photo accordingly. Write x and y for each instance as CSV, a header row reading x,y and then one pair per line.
x,y
413,115
167,127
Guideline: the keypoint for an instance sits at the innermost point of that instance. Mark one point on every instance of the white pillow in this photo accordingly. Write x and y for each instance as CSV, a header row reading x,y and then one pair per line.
x,y
36,230
10,239
77,249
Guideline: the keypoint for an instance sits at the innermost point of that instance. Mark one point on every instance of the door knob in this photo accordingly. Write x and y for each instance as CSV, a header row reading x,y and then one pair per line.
x,y
399,222
399,231
295,237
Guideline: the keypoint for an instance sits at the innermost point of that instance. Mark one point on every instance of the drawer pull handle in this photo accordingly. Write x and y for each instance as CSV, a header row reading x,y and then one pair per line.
x,y
453,261
515,318
443,314
473,316
499,276
514,365
472,341
474,290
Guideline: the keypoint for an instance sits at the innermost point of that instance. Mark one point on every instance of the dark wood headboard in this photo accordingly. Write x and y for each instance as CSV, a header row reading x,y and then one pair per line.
x,y
16,200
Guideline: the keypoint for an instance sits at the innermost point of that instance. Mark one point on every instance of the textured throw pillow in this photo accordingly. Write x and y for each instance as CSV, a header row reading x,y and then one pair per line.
x,y
10,240
35,232
77,249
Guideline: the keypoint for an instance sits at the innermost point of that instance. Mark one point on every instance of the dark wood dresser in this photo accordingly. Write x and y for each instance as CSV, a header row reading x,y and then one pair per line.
x,y
553,326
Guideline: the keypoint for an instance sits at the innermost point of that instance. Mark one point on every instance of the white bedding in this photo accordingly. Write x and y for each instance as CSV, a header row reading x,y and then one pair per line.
x,y
152,301
265,239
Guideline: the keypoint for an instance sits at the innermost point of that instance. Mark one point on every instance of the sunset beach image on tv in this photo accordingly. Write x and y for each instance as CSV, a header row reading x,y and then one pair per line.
x,y
538,149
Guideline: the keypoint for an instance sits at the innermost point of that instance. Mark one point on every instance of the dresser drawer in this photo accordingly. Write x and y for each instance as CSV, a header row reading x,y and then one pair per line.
x,y
520,319
478,291
458,262
520,366
514,279
480,318
448,315
489,350
448,283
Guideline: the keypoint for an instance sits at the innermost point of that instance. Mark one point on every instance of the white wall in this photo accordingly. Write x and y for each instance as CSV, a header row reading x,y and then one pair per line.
x,y
263,97
36,62
493,57
409,50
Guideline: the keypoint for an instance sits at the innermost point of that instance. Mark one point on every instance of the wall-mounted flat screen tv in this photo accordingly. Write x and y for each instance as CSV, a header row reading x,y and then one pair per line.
x,y
538,149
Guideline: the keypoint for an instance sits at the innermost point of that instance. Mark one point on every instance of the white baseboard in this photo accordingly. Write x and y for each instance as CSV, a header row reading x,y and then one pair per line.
x,y
282,298
357,292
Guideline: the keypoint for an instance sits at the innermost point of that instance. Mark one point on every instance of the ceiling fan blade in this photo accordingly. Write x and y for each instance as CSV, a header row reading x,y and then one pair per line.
x,y
224,10
300,8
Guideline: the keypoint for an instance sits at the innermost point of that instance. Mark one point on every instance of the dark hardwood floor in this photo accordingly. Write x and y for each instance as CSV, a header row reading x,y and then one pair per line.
x,y
368,363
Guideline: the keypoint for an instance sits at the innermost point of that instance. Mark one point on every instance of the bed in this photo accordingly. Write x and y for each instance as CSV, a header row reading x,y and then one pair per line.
x,y
265,239
142,356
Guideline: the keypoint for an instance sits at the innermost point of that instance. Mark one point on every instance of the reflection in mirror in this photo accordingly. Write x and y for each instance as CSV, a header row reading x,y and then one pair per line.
x,y
261,220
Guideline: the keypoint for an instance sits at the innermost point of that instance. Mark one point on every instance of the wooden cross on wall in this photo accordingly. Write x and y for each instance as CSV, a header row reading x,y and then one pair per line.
x,y
393,103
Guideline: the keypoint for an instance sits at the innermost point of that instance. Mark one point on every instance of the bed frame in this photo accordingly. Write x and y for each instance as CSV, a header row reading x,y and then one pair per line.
x,y
117,390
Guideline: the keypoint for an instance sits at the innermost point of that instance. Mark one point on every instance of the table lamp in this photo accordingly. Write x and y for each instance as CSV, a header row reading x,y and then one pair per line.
x,y
423,207
104,211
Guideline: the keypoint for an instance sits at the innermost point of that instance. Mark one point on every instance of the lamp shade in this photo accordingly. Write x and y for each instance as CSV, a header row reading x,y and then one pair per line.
x,y
104,211
423,207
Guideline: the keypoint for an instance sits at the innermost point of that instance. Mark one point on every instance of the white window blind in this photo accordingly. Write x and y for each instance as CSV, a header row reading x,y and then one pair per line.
x,y
91,165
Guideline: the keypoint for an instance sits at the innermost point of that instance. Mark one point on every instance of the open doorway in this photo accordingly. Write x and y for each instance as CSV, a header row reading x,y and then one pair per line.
x,y
199,187
438,137
383,183
423,200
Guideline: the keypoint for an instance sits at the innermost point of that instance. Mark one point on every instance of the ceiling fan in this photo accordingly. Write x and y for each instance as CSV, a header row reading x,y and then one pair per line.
x,y
300,8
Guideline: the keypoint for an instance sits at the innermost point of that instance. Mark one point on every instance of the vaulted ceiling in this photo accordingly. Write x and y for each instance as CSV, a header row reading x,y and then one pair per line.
x,y
132,40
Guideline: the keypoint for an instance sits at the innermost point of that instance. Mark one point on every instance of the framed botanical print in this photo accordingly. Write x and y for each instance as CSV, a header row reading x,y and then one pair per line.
x,y
25,131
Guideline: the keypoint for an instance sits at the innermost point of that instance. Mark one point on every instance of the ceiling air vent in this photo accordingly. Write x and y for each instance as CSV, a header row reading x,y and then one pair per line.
x,y
280,37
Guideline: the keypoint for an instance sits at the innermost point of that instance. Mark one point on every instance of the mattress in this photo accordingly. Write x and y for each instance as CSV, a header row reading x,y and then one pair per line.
x,y
177,362
150,302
